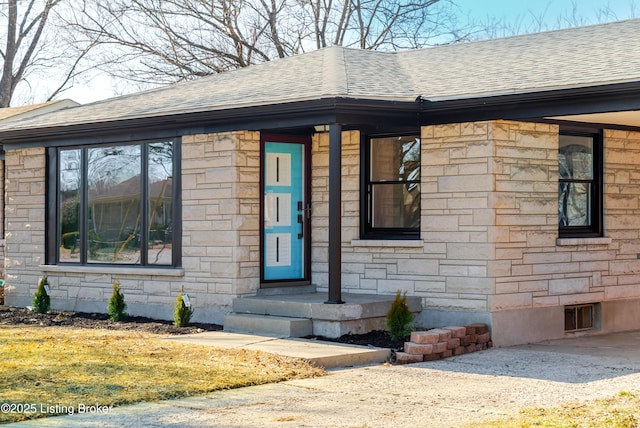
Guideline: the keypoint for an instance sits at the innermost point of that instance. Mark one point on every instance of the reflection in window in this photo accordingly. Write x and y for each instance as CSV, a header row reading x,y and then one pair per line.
x,y
160,203
393,186
115,201
578,185
69,208
114,210
575,164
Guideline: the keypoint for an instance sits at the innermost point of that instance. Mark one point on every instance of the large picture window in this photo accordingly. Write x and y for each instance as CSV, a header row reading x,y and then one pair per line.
x,y
116,205
580,185
391,200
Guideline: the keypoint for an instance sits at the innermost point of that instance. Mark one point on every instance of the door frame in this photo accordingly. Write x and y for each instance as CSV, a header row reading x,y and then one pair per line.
x,y
305,140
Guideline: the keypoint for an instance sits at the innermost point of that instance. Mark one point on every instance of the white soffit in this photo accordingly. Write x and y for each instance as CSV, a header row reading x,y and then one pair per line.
x,y
626,118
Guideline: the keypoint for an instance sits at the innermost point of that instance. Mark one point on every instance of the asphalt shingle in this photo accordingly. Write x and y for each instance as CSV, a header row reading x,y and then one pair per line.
x,y
578,57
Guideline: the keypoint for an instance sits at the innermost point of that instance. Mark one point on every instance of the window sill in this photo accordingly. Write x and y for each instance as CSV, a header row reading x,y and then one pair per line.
x,y
117,270
389,243
583,241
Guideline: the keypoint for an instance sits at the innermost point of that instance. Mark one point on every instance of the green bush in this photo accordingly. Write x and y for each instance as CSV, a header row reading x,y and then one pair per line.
x,y
94,244
399,317
69,239
41,300
182,313
116,303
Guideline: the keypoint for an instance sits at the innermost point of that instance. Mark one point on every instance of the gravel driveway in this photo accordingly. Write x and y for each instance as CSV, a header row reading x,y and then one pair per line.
x,y
453,392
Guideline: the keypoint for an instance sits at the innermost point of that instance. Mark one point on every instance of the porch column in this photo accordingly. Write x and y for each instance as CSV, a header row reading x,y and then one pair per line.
x,y
335,214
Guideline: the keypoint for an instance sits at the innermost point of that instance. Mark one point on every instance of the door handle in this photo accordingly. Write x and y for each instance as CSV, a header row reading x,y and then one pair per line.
x,y
301,221
306,212
306,209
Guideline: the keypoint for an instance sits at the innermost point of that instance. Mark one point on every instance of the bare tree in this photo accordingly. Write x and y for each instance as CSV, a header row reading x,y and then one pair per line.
x,y
163,41
35,45
22,38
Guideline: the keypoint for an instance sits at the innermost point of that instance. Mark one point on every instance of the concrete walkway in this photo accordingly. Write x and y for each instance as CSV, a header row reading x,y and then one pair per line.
x,y
455,392
322,354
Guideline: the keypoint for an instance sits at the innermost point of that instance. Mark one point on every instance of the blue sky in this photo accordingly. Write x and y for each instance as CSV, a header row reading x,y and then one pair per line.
x,y
525,10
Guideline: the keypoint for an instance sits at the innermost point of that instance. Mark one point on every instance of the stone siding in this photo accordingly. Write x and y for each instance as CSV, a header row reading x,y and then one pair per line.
x,y
24,211
220,257
488,250
2,219
489,229
221,207
320,205
450,266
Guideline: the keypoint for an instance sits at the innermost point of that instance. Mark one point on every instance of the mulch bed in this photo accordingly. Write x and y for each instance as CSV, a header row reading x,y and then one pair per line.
x,y
376,338
21,316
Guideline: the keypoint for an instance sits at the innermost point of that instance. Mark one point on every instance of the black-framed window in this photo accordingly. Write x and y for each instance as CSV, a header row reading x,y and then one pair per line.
x,y
115,204
580,184
391,187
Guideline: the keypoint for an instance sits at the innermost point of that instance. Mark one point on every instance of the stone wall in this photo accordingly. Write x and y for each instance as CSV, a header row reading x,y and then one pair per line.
x,y
620,277
221,207
489,248
320,206
220,258
530,273
538,274
450,266
25,213
2,219
526,206
458,221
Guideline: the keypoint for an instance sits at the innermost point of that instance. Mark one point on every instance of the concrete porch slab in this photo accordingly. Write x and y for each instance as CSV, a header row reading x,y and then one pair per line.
x,y
312,305
359,314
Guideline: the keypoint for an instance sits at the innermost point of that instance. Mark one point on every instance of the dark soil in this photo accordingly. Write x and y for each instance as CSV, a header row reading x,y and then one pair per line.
x,y
376,338
20,316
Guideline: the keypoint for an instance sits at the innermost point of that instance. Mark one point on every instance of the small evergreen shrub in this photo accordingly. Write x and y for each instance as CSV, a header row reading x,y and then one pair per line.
x,y
399,317
182,313
69,239
116,304
41,300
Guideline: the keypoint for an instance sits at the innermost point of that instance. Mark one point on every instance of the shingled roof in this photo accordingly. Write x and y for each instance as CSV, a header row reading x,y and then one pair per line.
x,y
16,113
572,58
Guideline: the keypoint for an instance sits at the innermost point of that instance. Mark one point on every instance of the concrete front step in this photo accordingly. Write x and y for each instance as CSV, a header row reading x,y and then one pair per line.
x,y
359,314
268,324
312,305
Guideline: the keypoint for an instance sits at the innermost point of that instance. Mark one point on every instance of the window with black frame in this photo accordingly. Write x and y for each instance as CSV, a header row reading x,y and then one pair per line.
x,y
116,204
391,199
580,185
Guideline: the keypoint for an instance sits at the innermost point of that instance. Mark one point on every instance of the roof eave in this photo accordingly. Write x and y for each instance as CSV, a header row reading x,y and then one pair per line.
x,y
298,114
374,113
534,104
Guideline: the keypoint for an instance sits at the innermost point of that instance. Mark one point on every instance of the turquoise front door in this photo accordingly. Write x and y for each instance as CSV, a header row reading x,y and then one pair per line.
x,y
285,212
